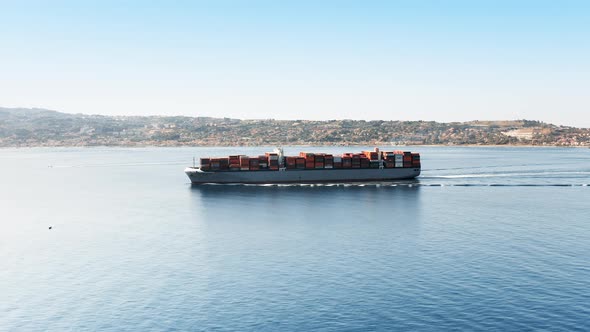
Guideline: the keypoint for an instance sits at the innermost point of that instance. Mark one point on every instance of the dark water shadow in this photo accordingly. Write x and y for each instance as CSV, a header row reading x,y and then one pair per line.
x,y
401,195
312,189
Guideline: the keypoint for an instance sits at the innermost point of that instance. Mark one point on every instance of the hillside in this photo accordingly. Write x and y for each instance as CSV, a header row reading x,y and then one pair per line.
x,y
38,127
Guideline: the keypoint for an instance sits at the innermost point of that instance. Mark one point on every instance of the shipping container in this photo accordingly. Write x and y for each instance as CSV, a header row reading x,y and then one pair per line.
x,y
254,164
371,155
233,158
305,160
205,164
328,160
245,164
364,163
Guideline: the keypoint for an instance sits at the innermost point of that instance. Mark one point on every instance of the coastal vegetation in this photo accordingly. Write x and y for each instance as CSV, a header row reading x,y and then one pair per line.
x,y
39,127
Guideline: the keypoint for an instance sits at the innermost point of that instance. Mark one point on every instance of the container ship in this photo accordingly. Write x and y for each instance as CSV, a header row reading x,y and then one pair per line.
x,y
275,167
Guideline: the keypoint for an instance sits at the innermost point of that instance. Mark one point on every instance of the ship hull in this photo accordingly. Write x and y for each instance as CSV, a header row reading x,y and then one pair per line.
x,y
302,175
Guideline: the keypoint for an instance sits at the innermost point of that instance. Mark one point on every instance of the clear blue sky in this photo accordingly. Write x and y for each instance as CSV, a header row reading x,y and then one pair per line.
x,y
406,60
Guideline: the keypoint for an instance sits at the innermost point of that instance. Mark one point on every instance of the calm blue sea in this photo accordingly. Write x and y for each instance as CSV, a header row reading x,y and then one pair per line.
x,y
487,239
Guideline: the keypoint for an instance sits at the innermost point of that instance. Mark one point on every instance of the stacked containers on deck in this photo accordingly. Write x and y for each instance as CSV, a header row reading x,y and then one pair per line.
x,y
416,159
224,164
234,163
262,162
389,159
219,164
407,159
215,164
366,159
244,163
300,163
328,161
254,164
319,160
290,162
337,162
371,155
346,161
399,158
205,164
355,160
365,162
309,159
273,161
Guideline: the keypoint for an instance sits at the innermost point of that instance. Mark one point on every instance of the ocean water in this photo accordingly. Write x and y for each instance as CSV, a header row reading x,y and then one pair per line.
x,y
487,239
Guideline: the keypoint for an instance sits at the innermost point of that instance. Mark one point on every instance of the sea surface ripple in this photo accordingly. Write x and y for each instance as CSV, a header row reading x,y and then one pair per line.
x,y
485,239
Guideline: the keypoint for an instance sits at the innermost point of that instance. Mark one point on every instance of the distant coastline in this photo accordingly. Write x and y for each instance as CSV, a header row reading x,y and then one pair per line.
x,y
45,128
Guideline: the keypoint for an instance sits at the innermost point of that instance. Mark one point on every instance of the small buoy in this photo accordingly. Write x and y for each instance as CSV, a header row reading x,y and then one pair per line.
x,y
50,227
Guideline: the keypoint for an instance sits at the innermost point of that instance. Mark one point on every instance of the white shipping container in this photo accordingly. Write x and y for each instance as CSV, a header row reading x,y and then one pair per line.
x,y
399,164
399,157
337,159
